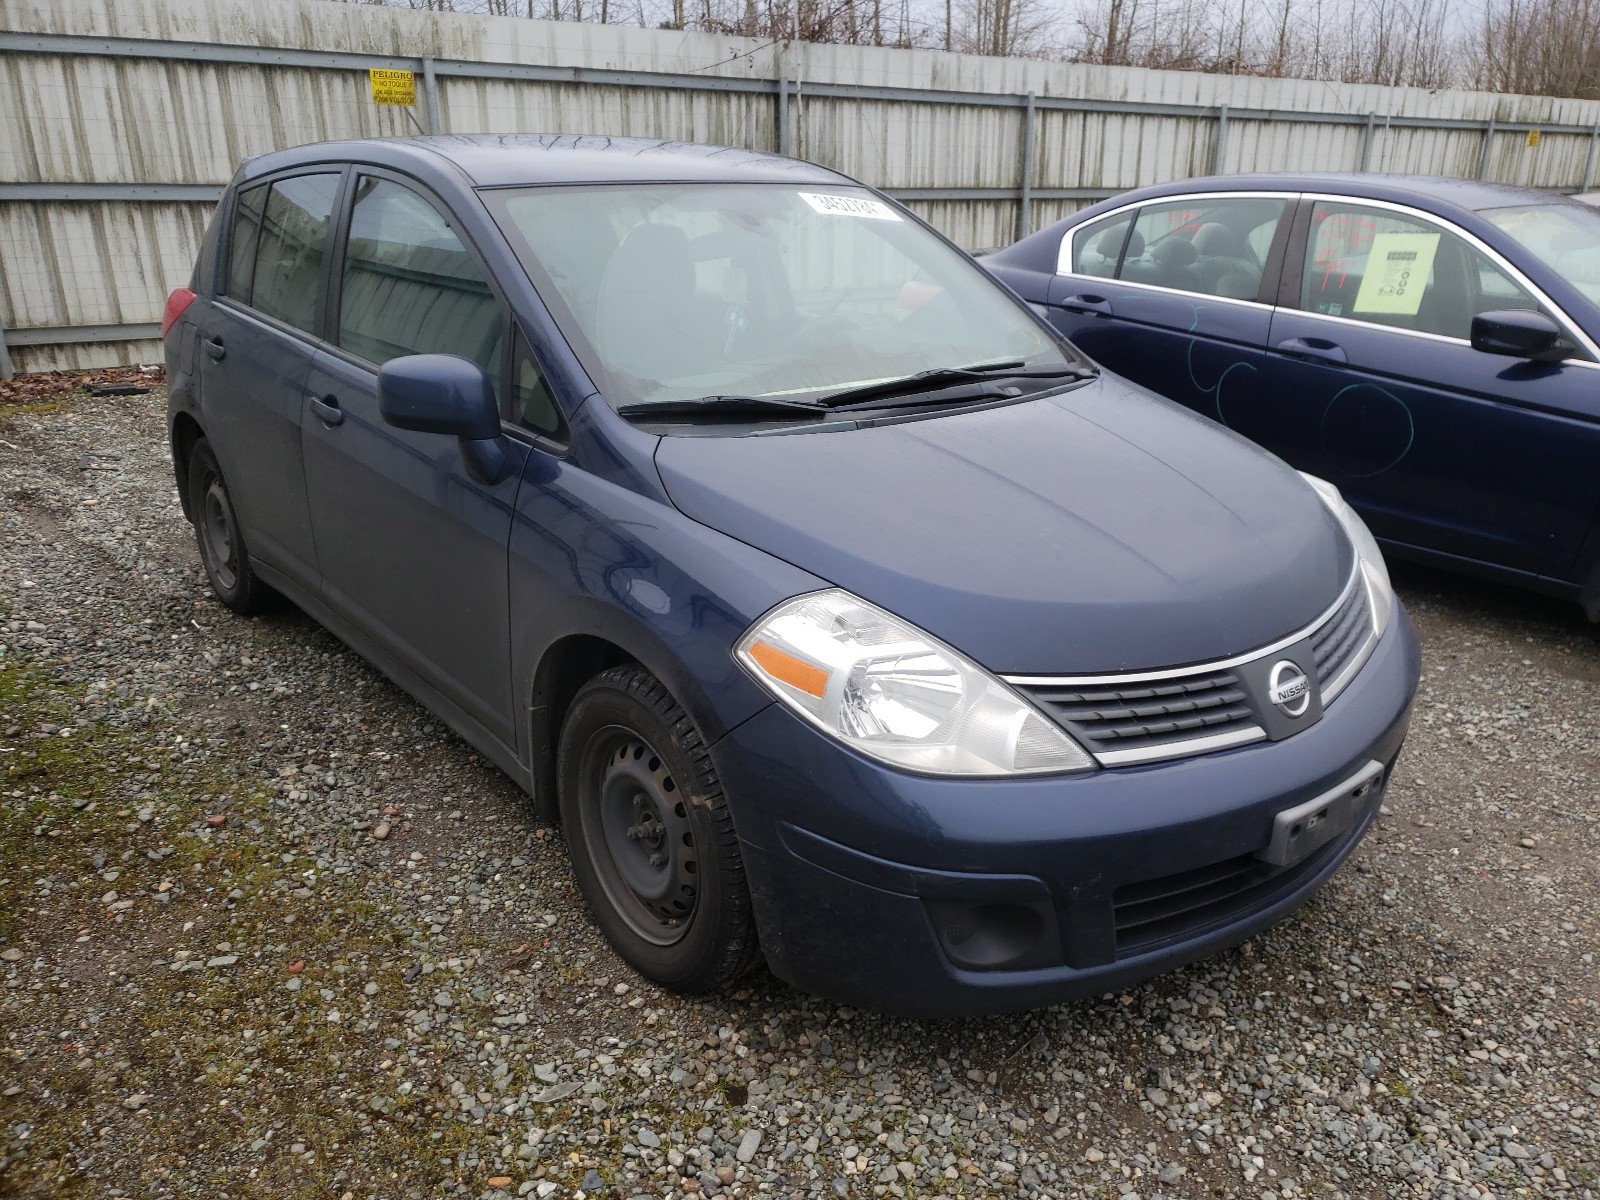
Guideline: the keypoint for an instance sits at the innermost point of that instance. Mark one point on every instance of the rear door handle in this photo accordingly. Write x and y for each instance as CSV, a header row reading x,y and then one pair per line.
x,y
327,410
215,348
1095,304
1315,348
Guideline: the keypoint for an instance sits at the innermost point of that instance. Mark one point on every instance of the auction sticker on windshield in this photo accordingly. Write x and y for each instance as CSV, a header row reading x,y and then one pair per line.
x,y
850,206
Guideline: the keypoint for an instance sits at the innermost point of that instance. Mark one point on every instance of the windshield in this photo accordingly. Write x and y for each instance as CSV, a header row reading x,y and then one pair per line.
x,y
671,292
1565,237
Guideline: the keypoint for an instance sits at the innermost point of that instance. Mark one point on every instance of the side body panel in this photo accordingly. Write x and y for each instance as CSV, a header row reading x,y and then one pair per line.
x,y
412,547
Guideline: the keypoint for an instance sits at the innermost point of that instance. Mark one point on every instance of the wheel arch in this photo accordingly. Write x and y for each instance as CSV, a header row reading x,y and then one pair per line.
x,y
569,660
185,432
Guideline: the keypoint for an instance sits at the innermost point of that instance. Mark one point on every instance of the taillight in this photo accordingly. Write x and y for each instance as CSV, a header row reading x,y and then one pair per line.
x,y
180,300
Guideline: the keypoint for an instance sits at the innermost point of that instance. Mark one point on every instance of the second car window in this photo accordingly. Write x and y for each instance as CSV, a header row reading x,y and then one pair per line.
x,y
410,286
1386,268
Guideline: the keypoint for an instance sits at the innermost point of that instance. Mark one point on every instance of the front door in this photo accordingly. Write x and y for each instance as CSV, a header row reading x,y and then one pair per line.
x,y
1439,446
411,546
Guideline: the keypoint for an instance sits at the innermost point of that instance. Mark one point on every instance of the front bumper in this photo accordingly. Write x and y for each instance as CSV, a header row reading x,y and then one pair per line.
x,y
947,897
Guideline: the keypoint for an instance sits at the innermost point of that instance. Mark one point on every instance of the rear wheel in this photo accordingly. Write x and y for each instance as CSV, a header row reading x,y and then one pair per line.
x,y
652,841
221,541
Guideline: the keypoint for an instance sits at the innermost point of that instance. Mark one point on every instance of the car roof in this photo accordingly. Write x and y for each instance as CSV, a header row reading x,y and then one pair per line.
x,y
1471,194
509,160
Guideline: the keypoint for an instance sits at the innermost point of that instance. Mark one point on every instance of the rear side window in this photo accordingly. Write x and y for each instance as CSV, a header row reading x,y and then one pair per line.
x,y
1097,248
410,286
1216,246
294,233
246,239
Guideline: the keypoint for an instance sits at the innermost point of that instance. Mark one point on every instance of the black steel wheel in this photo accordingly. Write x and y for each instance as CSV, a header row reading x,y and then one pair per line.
x,y
221,540
652,841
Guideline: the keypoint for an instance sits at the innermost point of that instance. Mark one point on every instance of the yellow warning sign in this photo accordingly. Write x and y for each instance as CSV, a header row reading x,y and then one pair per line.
x,y
393,87
1533,137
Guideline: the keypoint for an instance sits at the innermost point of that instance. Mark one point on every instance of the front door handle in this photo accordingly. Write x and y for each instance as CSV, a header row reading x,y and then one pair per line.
x,y
327,410
215,348
1315,348
1087,303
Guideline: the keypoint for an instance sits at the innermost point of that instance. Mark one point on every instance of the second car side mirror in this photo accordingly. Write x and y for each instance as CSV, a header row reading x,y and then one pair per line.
x,y
448,394
1520,333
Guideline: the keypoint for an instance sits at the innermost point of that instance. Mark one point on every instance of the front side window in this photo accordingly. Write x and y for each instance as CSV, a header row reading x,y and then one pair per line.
x,y
410,286
678,291
1216,246
1387,268
287,281
531,403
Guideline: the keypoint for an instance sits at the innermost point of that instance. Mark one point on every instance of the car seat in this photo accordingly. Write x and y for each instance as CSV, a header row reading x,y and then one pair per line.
x,y
1224,264
650,320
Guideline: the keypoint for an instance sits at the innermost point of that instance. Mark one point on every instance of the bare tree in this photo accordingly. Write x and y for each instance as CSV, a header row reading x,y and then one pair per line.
x,y
1539,47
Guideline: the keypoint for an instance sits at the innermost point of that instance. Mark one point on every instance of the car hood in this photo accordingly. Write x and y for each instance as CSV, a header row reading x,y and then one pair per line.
x,y
1102,529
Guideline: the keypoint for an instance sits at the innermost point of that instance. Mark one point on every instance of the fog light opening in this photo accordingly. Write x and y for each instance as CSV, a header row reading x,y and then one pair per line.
x,y
993,937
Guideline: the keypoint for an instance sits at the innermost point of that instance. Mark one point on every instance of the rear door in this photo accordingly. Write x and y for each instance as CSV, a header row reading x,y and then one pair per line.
x,y
256,345
412,547
1174,295
1378,389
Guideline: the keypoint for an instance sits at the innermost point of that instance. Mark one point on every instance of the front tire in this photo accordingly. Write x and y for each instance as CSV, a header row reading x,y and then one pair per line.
x,y
221,541
650,835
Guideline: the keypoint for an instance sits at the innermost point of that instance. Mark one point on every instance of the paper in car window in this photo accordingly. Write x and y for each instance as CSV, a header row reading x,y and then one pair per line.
x,y
850,206
1397,273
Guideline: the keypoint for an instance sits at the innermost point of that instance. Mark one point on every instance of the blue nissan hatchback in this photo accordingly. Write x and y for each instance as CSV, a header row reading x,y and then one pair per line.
x,y
843,614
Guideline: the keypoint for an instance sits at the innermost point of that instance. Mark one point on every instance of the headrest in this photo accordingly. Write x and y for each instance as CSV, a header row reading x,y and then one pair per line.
x,y
1216,240
1175,252
1109,243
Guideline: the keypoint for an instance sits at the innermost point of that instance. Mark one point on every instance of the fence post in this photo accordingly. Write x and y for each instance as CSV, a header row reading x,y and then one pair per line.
x,y
783,112
1221,147
1025,207
1588,166
6,372
430,95
1483,154
1366,142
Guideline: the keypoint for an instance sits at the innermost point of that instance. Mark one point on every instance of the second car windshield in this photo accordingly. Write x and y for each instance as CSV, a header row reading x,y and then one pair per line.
x,y
1565,237
672,292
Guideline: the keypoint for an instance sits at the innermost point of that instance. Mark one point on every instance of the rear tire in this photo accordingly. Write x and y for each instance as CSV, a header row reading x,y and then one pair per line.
x,y
221,541
650,835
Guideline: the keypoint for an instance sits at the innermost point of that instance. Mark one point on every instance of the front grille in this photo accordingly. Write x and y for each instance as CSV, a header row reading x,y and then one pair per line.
x,y
1148,716
1175,908
1340,642
1144,719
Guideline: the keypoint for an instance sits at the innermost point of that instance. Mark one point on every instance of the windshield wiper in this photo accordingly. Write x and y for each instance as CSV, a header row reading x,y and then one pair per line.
x,y
723,406
945,377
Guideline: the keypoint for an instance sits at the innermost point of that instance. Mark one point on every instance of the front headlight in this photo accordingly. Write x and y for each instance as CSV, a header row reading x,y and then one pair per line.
x,y
1379,590
892,692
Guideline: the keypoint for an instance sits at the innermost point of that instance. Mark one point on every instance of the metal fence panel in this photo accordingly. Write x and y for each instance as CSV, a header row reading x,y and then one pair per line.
x,y
128,115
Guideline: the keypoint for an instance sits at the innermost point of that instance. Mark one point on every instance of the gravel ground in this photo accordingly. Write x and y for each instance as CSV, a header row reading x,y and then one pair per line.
x,y
266,929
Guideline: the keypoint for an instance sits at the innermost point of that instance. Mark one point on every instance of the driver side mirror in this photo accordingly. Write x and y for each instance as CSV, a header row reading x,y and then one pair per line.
x,y
1520,333
444,393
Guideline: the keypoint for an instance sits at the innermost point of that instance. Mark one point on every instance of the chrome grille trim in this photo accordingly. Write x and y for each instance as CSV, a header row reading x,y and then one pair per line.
x,y
1177,672
1342,639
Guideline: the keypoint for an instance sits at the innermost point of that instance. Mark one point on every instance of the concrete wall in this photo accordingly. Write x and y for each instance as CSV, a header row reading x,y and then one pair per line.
x,y
121,119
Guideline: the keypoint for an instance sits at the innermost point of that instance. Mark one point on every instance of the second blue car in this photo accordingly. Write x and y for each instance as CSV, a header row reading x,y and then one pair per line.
x,y
1430,346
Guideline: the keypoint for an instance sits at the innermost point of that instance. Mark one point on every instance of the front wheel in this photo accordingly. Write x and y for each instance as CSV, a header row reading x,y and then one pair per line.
x,y
652,842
